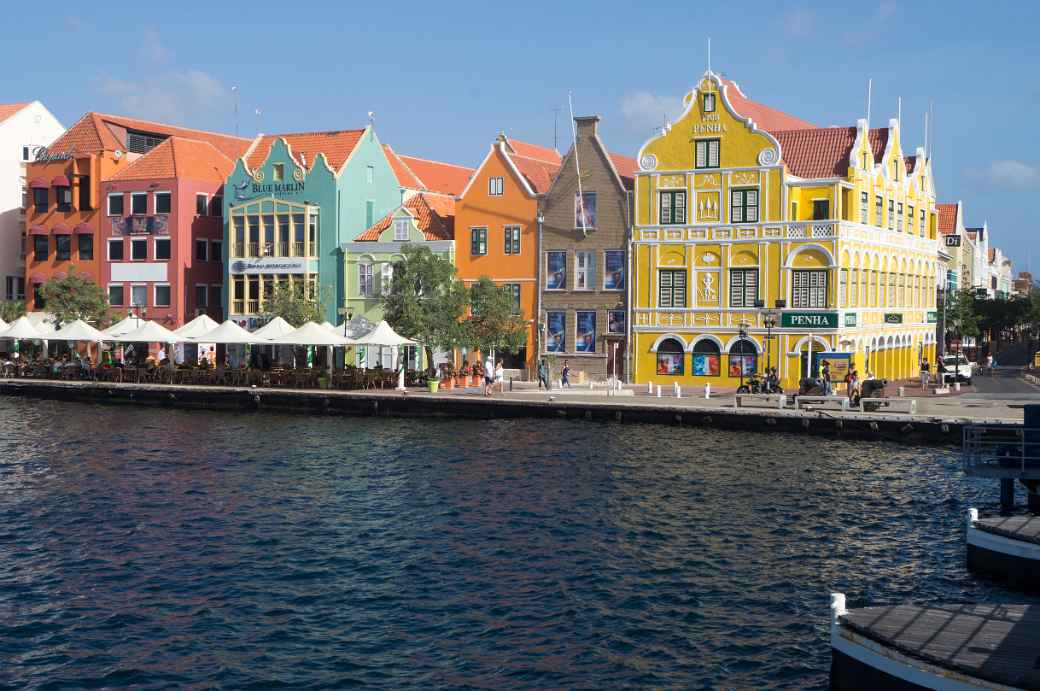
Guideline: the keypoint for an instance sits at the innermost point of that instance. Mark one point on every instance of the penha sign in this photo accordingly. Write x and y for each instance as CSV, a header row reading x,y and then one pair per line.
x,y
809,320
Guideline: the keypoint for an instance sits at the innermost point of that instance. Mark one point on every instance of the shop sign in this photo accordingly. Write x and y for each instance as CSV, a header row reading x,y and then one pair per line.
x,y
42,154
893,318
850,319
269,265
840,364
932,317
953,240
809,320
251,190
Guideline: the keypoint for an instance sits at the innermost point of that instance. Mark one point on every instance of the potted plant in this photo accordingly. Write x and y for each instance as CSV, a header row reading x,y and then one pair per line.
x,y
478,373
433,383
448,376
465,374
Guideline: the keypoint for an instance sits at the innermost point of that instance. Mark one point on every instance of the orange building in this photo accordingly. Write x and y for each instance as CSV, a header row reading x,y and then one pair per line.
x,y
496,227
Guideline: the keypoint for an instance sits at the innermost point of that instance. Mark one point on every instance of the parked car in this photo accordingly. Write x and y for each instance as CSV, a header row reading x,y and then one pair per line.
x,y
958,368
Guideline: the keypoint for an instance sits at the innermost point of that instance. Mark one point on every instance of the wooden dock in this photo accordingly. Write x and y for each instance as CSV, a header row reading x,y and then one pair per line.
x,y
937,646
1005,548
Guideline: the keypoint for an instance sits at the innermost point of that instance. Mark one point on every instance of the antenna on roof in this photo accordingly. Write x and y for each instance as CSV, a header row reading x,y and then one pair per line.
x,y
931,119
234,90
556,119
926,134
709,56
580,201
899,113
870,87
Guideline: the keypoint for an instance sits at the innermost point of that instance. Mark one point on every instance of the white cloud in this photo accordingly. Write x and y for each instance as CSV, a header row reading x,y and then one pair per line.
x,y
798,22
1010,174
74,23
174,97
886,10
644,111
152,46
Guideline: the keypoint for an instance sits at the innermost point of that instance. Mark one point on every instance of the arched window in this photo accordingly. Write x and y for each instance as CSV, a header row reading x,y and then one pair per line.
x,y
743,356
706,358
670,358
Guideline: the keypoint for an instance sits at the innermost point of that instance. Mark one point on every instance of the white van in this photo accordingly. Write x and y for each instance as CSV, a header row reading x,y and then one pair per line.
x,y
958,368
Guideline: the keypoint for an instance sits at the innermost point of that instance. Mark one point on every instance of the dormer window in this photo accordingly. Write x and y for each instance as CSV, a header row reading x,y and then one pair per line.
x,y
278,172
708,103
401,229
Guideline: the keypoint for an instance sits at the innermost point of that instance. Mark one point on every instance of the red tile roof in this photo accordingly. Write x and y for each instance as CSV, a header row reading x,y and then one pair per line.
x,y
179,157
533,151
539,174
9,109
305,146
626,167
947,218
405,176
434,215
765,118
823,152
102,132
436,176
992,254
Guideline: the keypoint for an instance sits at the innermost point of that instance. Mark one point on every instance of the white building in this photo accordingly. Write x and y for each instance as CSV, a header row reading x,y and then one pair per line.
x,y
1000,273
24,128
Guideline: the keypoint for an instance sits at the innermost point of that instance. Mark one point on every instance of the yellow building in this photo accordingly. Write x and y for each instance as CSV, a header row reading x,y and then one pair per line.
x,y
740,208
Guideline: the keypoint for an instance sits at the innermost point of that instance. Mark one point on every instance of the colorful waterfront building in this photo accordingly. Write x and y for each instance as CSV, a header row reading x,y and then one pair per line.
x,y
73,218
26,130
292,200
496,227
761,240
959,244
164,233
585,230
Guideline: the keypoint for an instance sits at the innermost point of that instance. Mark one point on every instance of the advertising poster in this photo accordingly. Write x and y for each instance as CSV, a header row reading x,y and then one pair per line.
x,y
741,362
556,341
705,365
614,270
840,364
669,363
556,270
586,340
585,210
616,321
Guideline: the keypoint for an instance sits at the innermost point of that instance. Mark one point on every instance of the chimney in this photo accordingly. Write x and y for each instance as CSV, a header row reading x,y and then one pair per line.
x,y
587,125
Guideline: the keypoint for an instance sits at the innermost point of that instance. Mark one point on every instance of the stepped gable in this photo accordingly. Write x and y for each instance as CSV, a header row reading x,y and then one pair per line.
x,y
337,145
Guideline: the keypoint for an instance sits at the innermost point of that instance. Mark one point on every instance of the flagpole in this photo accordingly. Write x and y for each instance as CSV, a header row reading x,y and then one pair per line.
x,y
577,164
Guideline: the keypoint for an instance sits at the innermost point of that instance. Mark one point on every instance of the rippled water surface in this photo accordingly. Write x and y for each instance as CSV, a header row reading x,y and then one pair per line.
x,y
171,549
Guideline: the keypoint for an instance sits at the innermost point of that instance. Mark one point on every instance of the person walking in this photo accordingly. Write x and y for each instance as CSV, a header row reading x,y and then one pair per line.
x,y
500,376
565,375
825,374
543,374
853,386
489,375
926,374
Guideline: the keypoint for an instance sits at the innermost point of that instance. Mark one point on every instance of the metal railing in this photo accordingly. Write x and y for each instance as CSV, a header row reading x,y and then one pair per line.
x,y
1004,451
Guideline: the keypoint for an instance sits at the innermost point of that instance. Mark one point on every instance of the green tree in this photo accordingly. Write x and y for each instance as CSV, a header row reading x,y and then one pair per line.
x,y
76,297
961,317
426,302
495,321
293,305
11,309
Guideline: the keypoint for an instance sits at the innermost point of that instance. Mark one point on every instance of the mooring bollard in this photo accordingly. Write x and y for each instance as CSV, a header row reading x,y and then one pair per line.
x,y
956,386
650,387
973,515
902,391
707,390
678,390
658,390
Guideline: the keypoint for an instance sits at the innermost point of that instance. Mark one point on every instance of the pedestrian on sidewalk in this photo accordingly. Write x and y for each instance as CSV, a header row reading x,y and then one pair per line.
x,y
825,374
852,384
565,375
500,376
489,376
543,374
926,374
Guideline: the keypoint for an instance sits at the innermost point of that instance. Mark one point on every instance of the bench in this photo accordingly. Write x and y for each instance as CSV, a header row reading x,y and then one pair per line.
x,y
867,405
772,400
842,401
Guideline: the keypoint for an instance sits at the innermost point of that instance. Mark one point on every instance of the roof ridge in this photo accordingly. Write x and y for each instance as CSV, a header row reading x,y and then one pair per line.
x,y
168,125
430,160
310,134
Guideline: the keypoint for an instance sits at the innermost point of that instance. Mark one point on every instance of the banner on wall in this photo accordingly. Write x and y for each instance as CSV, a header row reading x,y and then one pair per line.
x,y
705,365
556,340
614,270
586,336
556,270
841,364
616,322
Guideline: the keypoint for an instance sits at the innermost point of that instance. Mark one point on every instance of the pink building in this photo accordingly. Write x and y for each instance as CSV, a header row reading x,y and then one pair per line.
x,y
162,230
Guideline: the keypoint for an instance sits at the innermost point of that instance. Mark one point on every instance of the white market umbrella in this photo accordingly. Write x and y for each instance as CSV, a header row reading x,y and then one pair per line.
x,y
331,327
124,326
21,329
43,321
273,329
78,330
3,325
384,335
196,327
356,327
312,334
228,333
149,332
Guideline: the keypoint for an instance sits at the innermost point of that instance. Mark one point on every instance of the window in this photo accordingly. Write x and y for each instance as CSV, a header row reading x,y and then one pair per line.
x,y
139,296
86,246
495,186
671,288
162,248
708,103
84,192
15,288
63,247
40,199
585,340
162,202
115,250
25,159
556,270
616,322
142,142
614,270
312,234
707,358
40,246
899,217
556,332
585,210
672,207
201,204
216,250
891,214
743,206
201,250
365,277
512,239
478,242
670,358
707,153
809,288
387,278
514,289
370,211
278,172
821,209
584,270
201,296
863,210
843,287
162,294
794,211
743,287
217,207
370,174
923,230
115,204
853,287
138,249
138,203
38,299
743,358
401,226
879,205
892,290
63,197
910,219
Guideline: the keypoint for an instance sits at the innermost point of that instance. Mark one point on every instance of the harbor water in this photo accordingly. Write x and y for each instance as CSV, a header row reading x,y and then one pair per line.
x,y
142,546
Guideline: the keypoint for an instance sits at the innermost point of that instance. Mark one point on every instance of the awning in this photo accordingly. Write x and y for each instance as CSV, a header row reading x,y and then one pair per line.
x,y
39,182
83,229
61,229
61,181
37,279
37,230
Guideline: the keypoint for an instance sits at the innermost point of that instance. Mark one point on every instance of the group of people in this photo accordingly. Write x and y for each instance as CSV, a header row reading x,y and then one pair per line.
x,y
494,375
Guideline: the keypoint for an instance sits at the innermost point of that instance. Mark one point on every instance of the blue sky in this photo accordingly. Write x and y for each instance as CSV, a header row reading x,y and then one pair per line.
x,y
444,78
